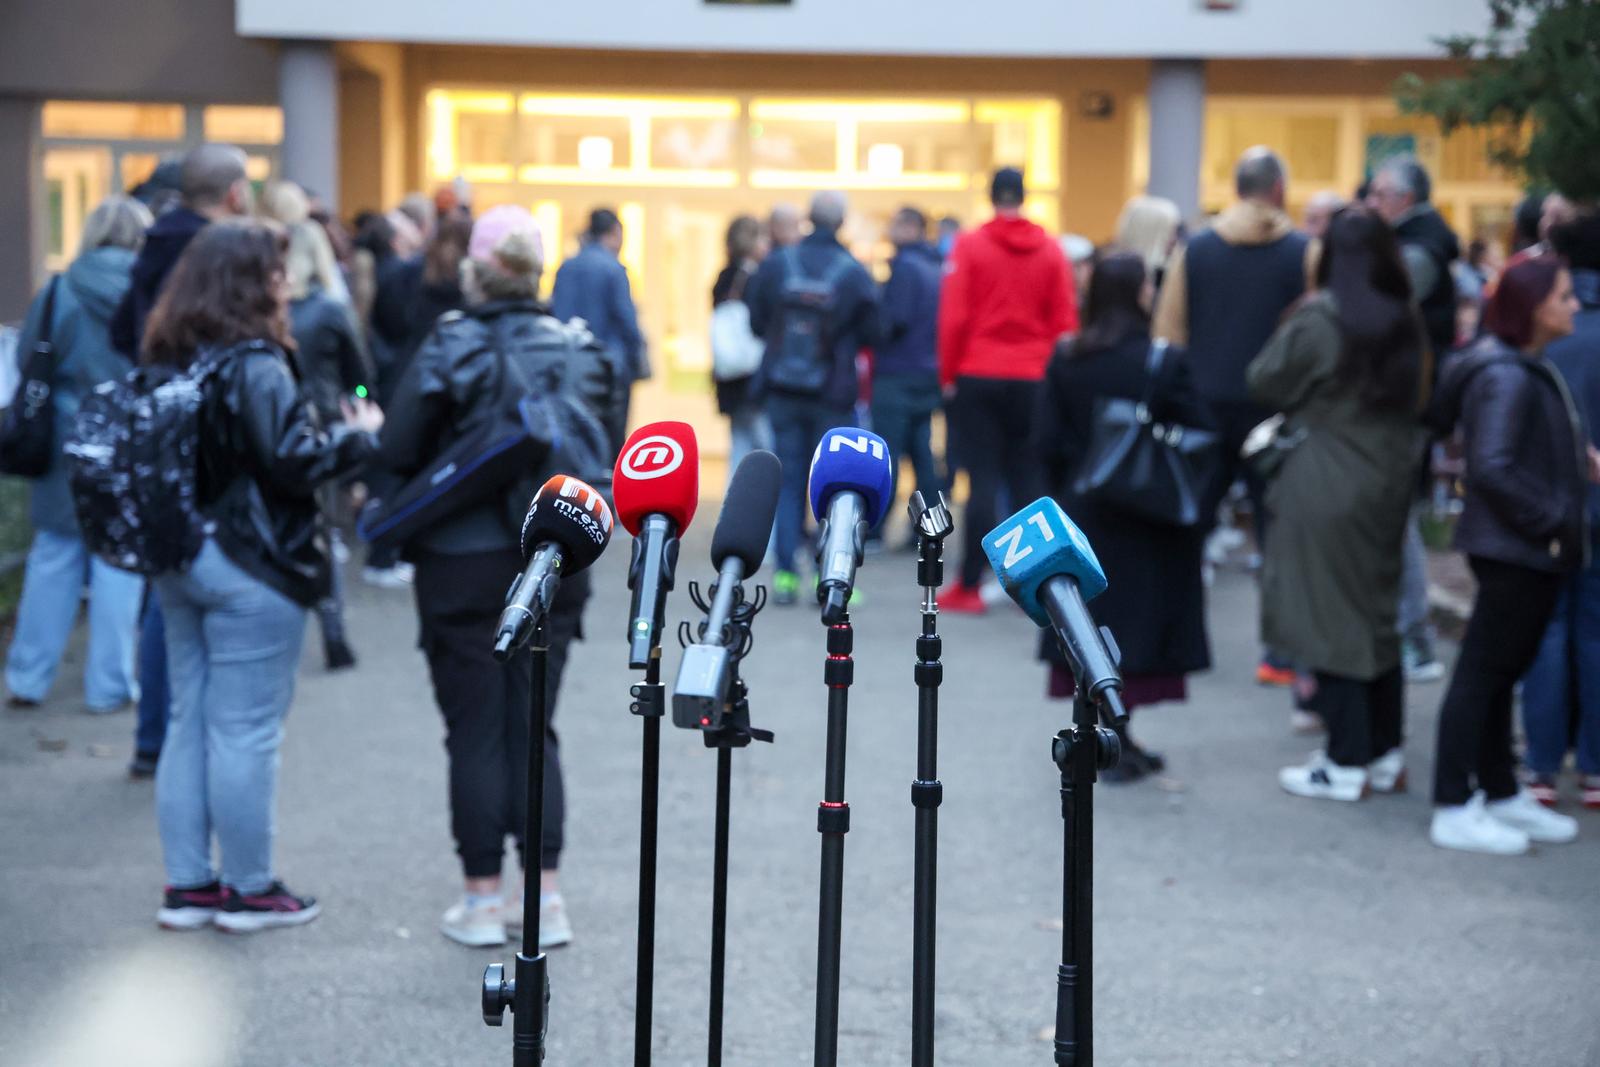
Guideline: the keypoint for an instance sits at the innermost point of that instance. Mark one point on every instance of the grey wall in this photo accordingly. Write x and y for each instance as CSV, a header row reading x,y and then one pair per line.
x,y
182,50
22,247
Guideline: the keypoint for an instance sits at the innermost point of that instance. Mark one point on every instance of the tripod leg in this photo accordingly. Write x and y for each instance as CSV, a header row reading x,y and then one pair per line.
x,y
1067,976
644,992
1084,757
719,904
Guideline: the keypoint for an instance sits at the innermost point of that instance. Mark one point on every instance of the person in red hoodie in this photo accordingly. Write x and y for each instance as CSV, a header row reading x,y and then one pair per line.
x,y
1008,296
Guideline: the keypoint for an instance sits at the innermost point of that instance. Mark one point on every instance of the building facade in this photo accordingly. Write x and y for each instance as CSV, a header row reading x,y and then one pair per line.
x,y
682,113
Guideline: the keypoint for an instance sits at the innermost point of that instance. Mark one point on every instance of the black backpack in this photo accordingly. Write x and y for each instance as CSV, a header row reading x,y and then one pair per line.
x,y
546,417
27,427
132,463
799,355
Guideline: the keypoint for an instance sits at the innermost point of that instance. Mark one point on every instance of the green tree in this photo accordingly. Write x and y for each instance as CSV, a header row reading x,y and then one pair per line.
x,y
1534,81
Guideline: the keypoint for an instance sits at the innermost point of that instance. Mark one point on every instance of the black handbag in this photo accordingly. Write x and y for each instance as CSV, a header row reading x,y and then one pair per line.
x,y
27,429
1135,464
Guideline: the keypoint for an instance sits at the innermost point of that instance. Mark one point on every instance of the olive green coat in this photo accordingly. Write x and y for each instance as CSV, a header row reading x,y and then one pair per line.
x,y
1330,585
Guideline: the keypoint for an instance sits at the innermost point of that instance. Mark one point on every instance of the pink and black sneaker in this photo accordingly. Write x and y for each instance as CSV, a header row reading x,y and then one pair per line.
x,y
276,906
190,909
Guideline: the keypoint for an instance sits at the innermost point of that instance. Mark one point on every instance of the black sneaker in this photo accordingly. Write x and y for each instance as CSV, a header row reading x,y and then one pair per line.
x,y
190,909
275,907
143,765
21,703
338,655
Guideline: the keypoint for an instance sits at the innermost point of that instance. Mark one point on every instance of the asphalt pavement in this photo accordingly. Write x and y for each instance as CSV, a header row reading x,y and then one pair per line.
x,y
1235,925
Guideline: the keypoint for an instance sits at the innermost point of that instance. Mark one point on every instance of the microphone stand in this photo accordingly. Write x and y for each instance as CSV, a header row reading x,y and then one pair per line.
x,y
833,822
649,703
1079,752
528,994
734,731
933,525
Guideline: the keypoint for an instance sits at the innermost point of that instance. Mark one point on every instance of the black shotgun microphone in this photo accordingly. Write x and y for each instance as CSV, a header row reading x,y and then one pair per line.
x,y
566,528
737,548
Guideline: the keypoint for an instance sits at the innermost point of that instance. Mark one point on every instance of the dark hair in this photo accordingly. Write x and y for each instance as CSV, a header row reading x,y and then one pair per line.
x,y
912,217
1008,188
375,234
1361,267
1113,310
1477,252
1524,285
1525,224
602,220
441,261
744,236
227,287
1578,241
1412,176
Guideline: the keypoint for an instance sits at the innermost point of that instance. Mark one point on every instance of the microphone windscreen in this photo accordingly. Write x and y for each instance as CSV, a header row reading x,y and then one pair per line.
x,y
657,473
745,525
572,514
854,460
1036,544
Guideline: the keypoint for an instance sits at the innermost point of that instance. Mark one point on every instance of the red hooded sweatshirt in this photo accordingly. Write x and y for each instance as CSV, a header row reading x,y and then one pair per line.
x,y
1008,296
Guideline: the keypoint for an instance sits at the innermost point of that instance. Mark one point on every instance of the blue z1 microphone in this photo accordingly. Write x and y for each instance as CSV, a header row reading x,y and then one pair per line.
x,y
850,480
1048,567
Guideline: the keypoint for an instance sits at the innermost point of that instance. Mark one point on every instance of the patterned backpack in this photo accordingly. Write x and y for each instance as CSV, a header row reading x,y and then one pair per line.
x,y
131,462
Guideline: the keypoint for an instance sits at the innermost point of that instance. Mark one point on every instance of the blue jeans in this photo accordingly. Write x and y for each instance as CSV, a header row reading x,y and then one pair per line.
x,y
1565,678
749,429
154,697
902,414
797,427
233,644
51,585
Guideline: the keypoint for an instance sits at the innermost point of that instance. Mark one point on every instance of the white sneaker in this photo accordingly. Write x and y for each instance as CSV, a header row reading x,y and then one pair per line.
x,y
477,927
1322,779
1469,828
397,577
555,930
1387,773
1523,812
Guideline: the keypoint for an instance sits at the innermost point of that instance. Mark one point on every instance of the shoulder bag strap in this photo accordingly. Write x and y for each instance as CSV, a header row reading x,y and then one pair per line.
x,y
1155,361
47,317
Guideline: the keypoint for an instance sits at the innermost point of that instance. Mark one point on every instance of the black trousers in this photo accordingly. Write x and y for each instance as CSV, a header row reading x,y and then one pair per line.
x,y
1235,420
1364,719
1509,618
486,704
993,420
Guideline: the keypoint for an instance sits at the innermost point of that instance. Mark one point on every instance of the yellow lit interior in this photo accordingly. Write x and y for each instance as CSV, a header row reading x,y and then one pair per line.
x,y
123,122
238,124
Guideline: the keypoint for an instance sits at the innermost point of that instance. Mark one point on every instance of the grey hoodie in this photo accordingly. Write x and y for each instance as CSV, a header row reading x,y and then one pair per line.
x,y
87,294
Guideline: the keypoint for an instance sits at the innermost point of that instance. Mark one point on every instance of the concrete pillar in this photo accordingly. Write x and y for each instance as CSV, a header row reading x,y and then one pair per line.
x,y
22,208
308,92
1177,131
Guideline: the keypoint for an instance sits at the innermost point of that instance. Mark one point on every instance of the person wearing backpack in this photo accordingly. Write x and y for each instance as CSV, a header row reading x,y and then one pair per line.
x,y
73,312
1008,297
817,308
503,349
235,613
736,350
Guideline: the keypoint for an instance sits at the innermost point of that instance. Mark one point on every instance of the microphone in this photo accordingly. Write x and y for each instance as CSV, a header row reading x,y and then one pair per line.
x,y
566,529
737,548
850,480
656,486
1047,566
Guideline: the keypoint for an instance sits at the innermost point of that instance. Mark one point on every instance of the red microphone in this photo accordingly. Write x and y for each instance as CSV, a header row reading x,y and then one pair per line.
x,y
656,486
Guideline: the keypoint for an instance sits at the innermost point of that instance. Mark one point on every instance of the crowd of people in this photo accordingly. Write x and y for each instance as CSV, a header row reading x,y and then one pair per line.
x,y
1329,367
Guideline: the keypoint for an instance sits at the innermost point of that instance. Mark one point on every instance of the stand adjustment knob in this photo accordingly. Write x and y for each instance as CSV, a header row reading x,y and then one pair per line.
x,y
497,994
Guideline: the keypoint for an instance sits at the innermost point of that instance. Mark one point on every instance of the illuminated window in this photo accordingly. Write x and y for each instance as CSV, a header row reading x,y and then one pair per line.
x,y
243,125
124,122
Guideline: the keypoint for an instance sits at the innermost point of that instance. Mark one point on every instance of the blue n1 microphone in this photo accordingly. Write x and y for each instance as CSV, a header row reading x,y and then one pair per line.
x,y
850,491
1048,567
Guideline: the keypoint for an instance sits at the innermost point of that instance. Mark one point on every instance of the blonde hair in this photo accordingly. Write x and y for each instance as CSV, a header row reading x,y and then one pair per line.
x,y
119,221
285,202
1147,227
310,261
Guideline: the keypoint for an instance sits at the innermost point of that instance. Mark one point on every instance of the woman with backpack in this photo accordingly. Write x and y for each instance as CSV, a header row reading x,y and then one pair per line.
x,y
1155,603
73,313
236,615
1345,369
502,350
1524,528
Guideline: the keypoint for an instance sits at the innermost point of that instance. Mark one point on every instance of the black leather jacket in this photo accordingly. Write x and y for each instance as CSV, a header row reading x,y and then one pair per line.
x,y
453,386
1527,469
262,455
